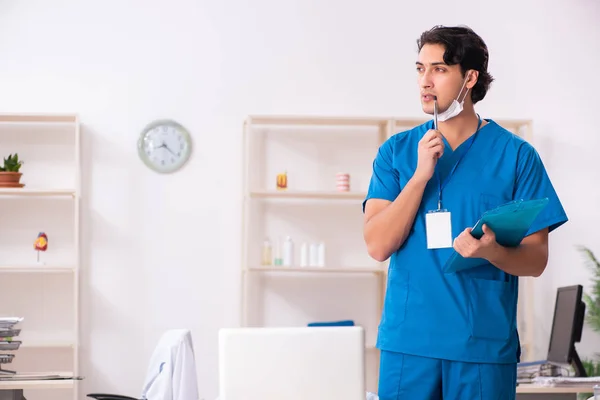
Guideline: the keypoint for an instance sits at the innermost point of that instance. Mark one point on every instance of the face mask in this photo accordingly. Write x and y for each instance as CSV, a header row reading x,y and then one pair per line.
x,y
456,107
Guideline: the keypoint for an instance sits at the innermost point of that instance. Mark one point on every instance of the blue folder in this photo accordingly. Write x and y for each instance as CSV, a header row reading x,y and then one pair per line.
x,y
346,322
510,222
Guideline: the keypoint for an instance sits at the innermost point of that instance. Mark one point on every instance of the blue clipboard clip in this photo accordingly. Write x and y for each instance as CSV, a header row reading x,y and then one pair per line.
x,y
510,223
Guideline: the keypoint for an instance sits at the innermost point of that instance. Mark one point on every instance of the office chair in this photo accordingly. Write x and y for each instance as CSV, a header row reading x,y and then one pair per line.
x,y
171,373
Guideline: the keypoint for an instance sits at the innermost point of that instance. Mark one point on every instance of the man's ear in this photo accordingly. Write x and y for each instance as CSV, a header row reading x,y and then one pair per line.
x,y
472,76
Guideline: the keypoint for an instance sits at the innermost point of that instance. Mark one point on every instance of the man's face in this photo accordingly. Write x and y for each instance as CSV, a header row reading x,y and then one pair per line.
x,y
436,78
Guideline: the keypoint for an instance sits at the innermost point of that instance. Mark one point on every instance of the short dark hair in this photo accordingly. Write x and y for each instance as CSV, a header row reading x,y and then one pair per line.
x,y
463,46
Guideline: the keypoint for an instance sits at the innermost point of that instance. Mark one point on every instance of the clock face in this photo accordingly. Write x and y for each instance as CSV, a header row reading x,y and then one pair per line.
x,y
164,146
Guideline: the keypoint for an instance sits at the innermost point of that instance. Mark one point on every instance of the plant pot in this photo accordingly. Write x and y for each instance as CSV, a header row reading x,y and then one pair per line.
x,y
10,179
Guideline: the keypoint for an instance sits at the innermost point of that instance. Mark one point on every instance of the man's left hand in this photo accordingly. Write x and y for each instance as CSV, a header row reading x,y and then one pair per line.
x,y
469,247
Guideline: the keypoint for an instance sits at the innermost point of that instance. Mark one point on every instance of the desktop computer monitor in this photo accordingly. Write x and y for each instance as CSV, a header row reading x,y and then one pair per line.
x,y
569,312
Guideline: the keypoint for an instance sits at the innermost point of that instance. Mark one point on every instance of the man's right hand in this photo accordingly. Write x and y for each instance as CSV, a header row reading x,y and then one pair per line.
x,y
389,223
431,148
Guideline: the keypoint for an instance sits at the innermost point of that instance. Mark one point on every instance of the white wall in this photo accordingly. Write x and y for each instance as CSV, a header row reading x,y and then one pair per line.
x,y
121,64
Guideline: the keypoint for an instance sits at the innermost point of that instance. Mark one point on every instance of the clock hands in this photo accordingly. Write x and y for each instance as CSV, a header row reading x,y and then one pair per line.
x,y
166,147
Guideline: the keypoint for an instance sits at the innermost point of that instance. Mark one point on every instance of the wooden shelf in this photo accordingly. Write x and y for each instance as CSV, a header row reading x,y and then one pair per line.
x,y
265,155
356,121
300,194
46,344
268,150
330,270
316,120
37,192
35,269
37,339
375,121
50,307
38,384
38,118
400,124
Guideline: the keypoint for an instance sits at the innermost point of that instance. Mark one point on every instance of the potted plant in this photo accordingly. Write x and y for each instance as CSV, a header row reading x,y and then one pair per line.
x,y
592,317
9,172
592,300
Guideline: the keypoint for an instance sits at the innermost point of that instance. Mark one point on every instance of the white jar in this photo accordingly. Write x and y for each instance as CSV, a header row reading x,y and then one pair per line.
x,y
321,254
313,255
304,255
288,252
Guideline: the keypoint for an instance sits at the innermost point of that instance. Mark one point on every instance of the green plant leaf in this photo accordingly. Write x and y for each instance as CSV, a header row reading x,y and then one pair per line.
x,y
12,163
592,300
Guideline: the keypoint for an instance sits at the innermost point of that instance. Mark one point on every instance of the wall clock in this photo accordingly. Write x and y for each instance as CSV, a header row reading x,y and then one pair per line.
x,y
164,146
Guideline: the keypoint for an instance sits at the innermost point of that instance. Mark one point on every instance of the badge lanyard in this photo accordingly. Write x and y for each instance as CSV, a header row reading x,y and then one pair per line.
x,y
440,185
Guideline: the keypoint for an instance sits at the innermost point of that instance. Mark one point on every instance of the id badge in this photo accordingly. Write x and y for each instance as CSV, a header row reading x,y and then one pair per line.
x,y
439,229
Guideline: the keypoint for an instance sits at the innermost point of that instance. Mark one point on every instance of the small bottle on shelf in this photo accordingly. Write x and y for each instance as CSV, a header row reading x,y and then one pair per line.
x,y
277,260
304,255
282,181
288,252
342,182
313,255
321,254
267,252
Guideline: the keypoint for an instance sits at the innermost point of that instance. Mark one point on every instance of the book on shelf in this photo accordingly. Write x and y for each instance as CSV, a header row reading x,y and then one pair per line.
x,y
9,322
7,342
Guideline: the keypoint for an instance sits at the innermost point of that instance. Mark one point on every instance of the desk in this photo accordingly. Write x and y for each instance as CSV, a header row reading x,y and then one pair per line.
x,y
13,389
526,391
39,384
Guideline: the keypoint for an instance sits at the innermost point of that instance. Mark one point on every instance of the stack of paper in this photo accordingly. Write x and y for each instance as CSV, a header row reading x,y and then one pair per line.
x,y
566,381
527,372
8,332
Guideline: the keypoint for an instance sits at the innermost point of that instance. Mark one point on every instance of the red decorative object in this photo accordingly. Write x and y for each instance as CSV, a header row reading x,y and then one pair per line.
x,y
40,244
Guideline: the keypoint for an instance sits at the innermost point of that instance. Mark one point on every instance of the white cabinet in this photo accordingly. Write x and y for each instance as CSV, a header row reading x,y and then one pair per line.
x,y
310,152
44,292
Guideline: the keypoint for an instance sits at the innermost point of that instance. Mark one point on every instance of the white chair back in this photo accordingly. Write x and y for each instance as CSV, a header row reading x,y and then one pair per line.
x,y
171,373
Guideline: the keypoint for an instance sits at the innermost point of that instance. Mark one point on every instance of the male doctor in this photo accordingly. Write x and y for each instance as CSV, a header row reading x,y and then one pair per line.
x,y
452,335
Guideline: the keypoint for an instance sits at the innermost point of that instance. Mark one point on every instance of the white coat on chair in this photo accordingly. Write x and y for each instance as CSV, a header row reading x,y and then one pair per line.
x,y
172,370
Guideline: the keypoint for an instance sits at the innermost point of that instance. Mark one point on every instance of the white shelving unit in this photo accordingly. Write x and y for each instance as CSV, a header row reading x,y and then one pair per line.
x,y
45,294
351,285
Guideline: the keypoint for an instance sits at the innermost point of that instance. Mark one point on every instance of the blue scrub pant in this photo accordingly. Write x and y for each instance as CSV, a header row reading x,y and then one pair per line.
x,y
404,377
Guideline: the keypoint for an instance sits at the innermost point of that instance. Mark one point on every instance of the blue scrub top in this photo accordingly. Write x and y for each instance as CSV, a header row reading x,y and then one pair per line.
x,y
470,315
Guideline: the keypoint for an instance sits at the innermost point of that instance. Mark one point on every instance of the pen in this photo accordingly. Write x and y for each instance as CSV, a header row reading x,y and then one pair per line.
x,y
435,113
